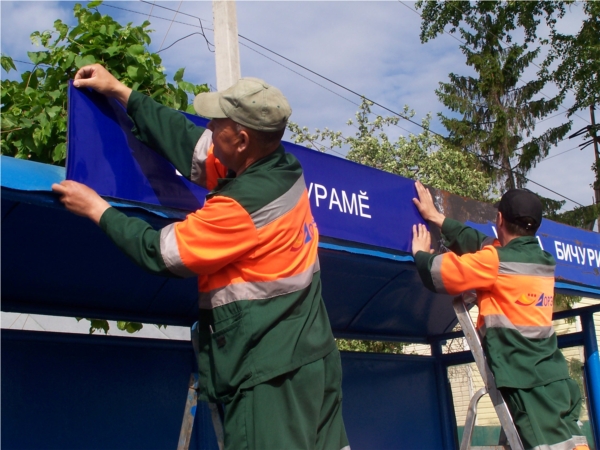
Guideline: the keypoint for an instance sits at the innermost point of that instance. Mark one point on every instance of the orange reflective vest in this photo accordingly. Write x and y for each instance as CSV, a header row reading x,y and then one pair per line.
x,y
515,296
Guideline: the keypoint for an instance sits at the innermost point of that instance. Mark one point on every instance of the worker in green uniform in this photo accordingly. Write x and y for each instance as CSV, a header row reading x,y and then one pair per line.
x,y
514,281
266,347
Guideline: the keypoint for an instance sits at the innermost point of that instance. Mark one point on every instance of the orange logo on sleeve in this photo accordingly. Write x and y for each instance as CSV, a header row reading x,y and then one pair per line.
x,y
530,299
304,236
526,301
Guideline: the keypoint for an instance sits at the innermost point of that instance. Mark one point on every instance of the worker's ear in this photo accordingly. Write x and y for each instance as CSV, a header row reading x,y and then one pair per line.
x,y
499,220
243,141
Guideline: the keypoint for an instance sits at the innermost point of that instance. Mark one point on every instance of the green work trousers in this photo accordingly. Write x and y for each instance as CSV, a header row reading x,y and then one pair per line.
x,y
301,409
547,416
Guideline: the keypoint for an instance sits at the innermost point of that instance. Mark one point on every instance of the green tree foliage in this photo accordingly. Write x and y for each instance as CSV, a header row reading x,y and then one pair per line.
x,y
497,115
577,59
34,109
355,345
34,116
573,63
426,156
580,217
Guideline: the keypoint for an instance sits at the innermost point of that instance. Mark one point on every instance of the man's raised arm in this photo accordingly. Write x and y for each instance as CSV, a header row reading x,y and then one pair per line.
x,y
166,131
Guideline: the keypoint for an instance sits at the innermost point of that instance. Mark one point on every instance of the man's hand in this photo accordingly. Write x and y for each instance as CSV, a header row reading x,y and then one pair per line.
x,y
81,200
421,241
103,82
426,207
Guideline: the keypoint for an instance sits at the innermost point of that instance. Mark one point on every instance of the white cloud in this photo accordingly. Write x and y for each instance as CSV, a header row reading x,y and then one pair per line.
x,y
20,19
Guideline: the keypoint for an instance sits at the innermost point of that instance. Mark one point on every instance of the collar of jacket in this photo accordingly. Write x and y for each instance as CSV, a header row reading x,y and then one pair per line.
x,y
255,167
522,240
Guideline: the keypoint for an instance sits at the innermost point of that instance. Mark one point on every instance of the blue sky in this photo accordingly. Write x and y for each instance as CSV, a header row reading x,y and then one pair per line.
x,y
370,47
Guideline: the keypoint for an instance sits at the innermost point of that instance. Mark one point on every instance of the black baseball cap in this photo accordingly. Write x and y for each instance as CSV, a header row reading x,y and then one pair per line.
x,y
521,207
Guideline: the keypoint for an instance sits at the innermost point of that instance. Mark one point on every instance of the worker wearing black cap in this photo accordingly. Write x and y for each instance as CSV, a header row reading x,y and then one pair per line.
x,y
514,281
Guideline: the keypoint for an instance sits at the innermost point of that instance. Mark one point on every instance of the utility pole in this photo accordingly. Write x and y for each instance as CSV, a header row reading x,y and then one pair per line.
x,y
597,153
595,140
227,53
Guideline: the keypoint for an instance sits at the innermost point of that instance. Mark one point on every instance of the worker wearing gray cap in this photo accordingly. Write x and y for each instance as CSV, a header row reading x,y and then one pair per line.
x,y
266,347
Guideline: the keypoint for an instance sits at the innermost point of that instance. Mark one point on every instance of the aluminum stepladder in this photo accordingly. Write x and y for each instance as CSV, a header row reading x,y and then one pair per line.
x,y
508,433
191,403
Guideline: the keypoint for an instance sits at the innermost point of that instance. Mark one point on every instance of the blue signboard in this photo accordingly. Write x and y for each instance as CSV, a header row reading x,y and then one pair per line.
x,y
349,201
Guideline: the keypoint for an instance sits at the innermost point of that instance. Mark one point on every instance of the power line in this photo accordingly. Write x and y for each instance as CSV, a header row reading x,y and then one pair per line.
x,y
298,73
480,157
151,15
169,9
151,9
548,189
308,70
208,43
181,39
375,103
558,154
31,64
185,14
170,24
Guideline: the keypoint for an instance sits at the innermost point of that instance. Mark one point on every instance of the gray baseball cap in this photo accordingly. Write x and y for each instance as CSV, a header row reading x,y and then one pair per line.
x,y
250,102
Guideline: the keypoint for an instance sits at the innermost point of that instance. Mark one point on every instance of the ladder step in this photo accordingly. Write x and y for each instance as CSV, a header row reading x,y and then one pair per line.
x,y
472,336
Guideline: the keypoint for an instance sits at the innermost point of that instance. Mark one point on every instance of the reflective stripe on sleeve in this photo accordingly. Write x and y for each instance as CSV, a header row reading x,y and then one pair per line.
x,y
260,290
488,241
436,275
530,332
519,268
198,172
170,252
570,444
280,205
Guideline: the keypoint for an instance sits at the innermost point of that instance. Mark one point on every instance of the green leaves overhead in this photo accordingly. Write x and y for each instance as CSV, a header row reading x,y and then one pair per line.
x,y
7,63
426,156
578,60
34,109
130,327
136,50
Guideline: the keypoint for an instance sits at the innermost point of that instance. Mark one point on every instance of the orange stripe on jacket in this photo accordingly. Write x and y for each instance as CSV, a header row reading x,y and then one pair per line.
x,y
222,241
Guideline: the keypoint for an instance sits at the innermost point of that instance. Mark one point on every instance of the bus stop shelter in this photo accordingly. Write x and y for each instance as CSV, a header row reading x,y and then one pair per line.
x,y
62,390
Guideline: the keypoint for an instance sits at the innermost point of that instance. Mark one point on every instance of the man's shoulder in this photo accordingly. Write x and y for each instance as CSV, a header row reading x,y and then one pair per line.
x,y
525,250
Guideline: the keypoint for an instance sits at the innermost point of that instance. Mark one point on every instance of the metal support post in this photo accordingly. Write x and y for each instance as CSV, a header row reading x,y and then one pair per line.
x,y
447,416
592,372
597,158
